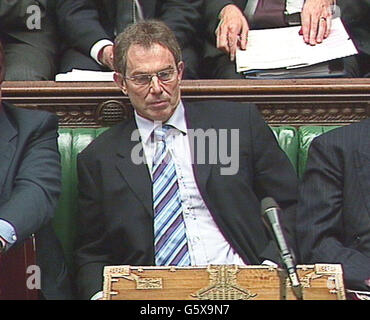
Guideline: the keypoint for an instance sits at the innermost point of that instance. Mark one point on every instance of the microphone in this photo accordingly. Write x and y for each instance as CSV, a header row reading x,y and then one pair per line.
x,y
270,216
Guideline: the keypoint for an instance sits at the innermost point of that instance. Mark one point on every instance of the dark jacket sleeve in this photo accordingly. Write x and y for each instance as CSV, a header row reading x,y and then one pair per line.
x,y
210,12
79,24
355,17
182,17
37,185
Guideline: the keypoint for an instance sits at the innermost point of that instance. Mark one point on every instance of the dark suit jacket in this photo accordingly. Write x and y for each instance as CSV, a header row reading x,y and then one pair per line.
x,y
355,16
30,53
116,217
30,187
85,22
215,63
13,22
333,217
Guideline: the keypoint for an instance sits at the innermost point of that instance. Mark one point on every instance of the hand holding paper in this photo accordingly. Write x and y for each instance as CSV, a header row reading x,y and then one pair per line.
x,y
284,48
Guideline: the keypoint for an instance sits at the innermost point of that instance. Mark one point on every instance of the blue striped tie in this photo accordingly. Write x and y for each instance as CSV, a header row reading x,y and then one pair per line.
x,y
171,246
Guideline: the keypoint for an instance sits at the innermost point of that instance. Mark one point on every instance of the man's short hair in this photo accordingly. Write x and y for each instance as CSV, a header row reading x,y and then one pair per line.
x,y
144,33
2,62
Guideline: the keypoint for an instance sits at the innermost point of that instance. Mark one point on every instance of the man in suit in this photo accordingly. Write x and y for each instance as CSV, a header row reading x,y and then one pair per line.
x,y
29,189
91,25
333,215
213,204
227,23
29,37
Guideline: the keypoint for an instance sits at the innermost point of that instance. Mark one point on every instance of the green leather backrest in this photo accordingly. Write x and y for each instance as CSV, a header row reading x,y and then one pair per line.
x,y
305,136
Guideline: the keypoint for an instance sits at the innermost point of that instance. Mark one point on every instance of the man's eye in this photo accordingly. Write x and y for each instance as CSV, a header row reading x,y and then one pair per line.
x,y
142,78
165,74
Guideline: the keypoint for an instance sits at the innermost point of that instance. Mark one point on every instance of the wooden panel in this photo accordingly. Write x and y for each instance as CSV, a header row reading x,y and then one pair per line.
x,y
282,102
13,272
221,282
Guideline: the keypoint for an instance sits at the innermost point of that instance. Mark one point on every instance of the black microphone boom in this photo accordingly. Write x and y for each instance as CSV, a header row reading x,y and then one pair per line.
x,y
270,215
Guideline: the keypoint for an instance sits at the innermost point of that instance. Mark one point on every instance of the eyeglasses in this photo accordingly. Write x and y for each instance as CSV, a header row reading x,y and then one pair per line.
x,y
144,79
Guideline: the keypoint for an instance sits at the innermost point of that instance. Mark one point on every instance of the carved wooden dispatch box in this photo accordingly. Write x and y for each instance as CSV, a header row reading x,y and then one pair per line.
x,y
221,282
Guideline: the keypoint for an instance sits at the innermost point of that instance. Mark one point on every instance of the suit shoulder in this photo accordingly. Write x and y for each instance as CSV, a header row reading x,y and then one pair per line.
x,y
224,108
105,141
25,119
346,136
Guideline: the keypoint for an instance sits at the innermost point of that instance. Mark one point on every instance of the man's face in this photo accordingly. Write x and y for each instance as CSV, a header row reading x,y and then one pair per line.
x,y
157,99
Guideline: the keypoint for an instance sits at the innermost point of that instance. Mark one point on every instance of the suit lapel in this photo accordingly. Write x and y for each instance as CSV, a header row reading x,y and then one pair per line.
x,y
7,146
136,175
195,121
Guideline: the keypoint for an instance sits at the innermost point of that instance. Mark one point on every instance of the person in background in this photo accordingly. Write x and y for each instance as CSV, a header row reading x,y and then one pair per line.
x,y
90,26
228,22
333,213
29,36
30,184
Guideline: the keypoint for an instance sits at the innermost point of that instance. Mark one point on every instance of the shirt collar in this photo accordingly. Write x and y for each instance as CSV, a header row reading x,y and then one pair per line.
x,y
147,126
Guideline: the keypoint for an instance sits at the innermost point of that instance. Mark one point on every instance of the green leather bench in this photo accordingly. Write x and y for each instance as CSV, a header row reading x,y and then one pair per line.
x,y
295,142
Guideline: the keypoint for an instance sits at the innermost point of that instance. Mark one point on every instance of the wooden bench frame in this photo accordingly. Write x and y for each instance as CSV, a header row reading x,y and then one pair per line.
x,y
282,102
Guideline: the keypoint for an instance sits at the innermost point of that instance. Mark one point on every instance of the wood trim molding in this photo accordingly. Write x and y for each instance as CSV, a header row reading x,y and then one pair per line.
x,y
282,102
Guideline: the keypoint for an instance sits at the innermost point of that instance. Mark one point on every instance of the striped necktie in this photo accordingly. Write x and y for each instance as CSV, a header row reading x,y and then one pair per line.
x,y
171,246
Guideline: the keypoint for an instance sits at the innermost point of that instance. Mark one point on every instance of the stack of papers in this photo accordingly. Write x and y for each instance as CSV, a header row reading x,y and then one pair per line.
x,y
327,69
285,48
84,75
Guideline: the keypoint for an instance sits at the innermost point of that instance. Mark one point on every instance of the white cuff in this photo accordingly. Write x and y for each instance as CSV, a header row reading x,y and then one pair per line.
x,y
97,47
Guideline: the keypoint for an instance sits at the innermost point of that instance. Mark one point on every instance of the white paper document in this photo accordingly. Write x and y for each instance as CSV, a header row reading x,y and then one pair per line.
x,y
285,48
85,75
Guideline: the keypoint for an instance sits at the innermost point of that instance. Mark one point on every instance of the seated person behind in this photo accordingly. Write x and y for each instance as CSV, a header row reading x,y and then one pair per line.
x,y
30,187
230,22
214,206
29,36
334,203
89,26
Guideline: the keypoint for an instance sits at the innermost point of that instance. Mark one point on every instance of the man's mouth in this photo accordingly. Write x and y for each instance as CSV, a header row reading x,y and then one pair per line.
x,y
159,104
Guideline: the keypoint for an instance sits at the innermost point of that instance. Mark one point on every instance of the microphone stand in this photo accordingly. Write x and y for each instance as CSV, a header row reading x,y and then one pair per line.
x,y
270,217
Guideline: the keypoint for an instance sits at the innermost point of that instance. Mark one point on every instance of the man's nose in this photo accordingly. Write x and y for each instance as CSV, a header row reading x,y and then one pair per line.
x,y
155,85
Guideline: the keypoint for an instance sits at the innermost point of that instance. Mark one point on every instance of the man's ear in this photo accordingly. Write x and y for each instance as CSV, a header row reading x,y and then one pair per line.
x,y
180,69
120,82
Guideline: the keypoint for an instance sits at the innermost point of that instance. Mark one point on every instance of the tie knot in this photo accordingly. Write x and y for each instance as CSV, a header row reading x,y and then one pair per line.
x,y
161,132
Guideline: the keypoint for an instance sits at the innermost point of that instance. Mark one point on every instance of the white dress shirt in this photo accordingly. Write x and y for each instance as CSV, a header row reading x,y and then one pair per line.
x,y
206,243
294,6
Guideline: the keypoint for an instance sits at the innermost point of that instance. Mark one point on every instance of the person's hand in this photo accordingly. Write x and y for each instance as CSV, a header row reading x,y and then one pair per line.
x,y
232,30
106,56
316,19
